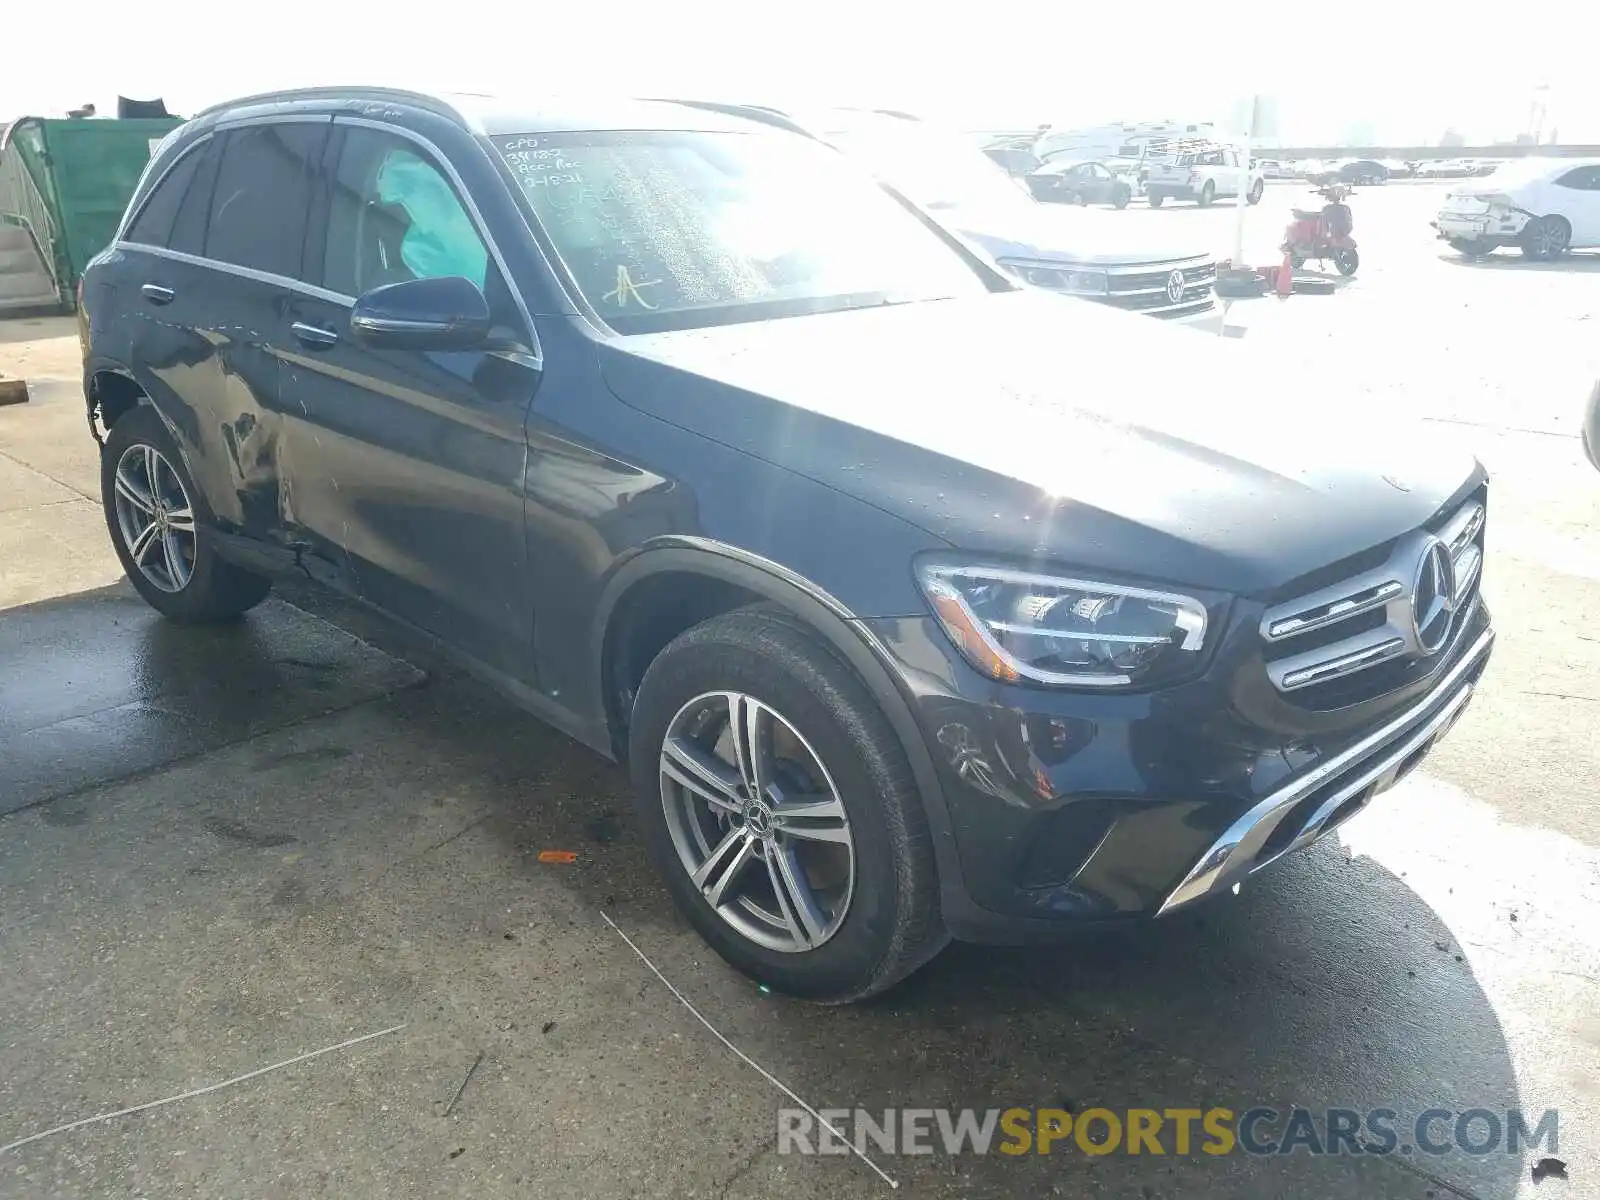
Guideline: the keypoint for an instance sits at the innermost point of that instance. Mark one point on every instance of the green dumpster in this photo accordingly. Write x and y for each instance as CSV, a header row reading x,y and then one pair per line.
x,y
83,172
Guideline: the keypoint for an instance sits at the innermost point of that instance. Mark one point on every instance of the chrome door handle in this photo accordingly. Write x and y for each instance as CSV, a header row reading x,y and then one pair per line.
x,y
314,335
157,294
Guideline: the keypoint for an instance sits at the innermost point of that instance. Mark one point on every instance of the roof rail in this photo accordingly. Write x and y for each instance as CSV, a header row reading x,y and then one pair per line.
x,y
753,112
423,99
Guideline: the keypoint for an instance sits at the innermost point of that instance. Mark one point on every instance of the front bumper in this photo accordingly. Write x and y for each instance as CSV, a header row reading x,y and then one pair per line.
x,y
1323,798
1067,810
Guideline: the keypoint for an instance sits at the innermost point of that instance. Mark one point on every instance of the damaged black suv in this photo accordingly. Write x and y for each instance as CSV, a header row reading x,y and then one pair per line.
x,y
737,468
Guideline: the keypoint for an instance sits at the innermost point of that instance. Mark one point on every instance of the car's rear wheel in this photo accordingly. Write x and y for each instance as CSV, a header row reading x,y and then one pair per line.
x,y
1208,193
1257,189
1545,238
158,521
1155,199
1122,196
778,804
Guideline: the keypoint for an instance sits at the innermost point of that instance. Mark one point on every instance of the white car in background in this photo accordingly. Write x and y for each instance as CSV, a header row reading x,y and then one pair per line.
x,y
1544,206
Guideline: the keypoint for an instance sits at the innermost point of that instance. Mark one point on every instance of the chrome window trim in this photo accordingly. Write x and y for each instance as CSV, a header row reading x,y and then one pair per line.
x,y
442,161
535,356
283,281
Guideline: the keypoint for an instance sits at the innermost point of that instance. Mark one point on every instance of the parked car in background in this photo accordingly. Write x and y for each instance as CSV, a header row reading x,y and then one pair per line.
x,y
1199,171
908,620
1272,168
1445,168
1064,181
1091,255
1319,171
1362,171
1543,206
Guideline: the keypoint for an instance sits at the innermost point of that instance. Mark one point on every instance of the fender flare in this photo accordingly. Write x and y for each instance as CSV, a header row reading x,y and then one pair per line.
x,y
98,366
830,620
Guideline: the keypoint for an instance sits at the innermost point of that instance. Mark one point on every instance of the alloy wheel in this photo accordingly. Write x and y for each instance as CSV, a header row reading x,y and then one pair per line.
x,y
1550,238
757,822
155,518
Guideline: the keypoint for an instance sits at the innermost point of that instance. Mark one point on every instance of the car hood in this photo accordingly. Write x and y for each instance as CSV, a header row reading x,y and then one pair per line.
x,y
989,423
1058,233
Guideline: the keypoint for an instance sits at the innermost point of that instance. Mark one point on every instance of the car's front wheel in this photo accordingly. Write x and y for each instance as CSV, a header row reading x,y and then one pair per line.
x,y
778,804
1208,193
1257,190
156,517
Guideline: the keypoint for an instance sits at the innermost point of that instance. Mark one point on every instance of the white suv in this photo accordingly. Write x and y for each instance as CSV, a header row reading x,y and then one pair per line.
x,y
1545,206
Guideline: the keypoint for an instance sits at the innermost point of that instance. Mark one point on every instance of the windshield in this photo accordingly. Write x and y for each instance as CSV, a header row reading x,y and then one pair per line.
x,y
678,230
933,171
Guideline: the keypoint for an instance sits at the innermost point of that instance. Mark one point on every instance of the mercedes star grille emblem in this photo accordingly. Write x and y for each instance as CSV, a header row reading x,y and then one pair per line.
x,y
1433,597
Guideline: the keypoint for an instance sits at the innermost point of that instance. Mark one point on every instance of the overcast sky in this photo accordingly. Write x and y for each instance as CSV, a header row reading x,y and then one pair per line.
x,y
1398,69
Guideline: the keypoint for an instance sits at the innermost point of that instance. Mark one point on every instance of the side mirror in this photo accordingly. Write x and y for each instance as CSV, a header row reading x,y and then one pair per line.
x,y
447,313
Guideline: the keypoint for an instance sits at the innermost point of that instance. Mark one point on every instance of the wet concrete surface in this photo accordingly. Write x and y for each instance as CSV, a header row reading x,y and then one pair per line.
x,y
300,869
98,687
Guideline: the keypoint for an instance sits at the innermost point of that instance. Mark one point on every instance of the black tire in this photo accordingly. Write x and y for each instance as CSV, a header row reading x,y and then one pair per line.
x,y
1208,193
891,925
1346,261
1257,189
1121,197
1546,238
1313,287
1155,199
215,590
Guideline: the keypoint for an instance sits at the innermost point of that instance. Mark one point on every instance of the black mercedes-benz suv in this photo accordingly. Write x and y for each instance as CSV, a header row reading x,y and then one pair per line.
x,y
733,465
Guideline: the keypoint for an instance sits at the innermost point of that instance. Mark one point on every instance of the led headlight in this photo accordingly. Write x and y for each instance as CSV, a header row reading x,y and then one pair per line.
x,y
1016,625
1059,279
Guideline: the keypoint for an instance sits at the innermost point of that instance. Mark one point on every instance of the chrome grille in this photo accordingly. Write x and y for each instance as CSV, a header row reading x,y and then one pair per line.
x,y
1339,631
1144,288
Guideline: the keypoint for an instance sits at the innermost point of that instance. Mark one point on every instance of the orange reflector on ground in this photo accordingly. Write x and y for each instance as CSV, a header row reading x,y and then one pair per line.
x,y
558,856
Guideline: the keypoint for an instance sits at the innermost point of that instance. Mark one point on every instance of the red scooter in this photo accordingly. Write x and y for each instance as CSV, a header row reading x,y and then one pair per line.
x,y
1324,235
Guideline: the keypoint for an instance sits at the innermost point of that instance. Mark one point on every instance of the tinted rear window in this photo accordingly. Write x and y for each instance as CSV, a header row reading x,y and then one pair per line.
x,y
153,224
263,195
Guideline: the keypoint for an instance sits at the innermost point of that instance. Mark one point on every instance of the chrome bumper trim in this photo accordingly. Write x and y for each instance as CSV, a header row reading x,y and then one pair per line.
x,y
1233,855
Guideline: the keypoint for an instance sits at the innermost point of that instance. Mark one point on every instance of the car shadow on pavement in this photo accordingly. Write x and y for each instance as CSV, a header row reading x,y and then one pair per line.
x,y
1567,264
1328,983
388,856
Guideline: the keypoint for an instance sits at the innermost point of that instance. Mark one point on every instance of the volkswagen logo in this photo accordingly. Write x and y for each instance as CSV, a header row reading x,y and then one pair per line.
x,y
1433,597
1175,287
